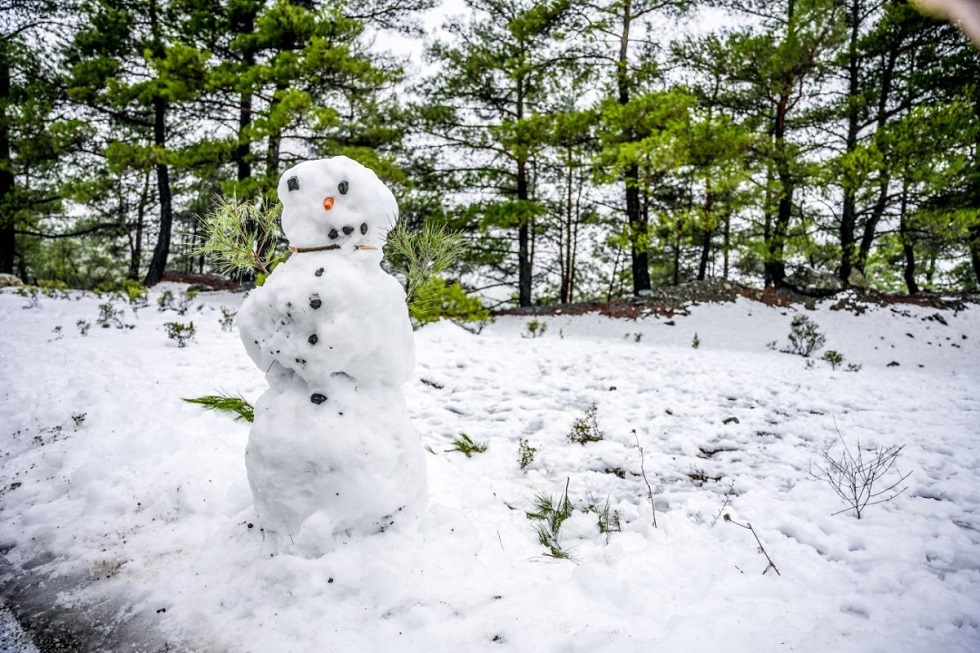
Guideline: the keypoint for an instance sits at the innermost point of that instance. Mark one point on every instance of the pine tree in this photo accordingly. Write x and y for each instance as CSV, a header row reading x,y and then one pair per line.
x,y
485,103
129,69
622,44
781,62
36,133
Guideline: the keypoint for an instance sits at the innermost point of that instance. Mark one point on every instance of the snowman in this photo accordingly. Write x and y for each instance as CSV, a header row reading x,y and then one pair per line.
x,y
332,451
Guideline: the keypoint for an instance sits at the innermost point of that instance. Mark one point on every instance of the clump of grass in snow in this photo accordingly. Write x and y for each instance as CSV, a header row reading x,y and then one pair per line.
x,y
607,519
804,336
552,514
586,428
182,333
224,403
535,329
526,452
465,445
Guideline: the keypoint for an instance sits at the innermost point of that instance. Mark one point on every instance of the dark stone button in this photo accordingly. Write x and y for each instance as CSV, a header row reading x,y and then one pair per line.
x,y
315,302
318,273
318,398
312,339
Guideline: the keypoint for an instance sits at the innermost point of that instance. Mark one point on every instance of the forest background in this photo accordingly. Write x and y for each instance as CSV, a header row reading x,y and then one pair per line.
x,y
584,149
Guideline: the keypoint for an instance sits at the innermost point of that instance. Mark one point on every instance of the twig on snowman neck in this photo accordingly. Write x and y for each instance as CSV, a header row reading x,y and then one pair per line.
x,y
321,248
326,248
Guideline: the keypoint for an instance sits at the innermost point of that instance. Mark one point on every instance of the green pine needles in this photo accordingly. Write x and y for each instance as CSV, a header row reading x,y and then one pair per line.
x,y
466,446
550,514
419,255
227,404
242,236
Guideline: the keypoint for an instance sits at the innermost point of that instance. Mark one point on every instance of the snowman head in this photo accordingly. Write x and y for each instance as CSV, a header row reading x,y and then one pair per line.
x,y
335,203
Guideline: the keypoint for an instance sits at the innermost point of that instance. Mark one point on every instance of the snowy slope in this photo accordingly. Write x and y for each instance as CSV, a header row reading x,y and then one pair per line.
x,y
125,513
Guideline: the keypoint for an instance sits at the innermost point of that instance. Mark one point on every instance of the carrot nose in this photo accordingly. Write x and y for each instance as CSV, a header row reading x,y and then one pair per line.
x,y
327,203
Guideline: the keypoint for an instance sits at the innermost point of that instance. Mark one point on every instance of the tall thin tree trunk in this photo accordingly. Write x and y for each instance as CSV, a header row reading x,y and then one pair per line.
x,y
158,263
775,247
637,225
243,150
908,246
567,263
849,208
524,254
136,250
974,235
523,240
8,234
707,233
727,244
884,179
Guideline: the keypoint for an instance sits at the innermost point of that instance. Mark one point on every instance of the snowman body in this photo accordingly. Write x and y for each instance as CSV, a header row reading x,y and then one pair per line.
x,y
332,450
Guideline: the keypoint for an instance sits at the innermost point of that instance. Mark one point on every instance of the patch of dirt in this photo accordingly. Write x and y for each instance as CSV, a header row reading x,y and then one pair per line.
x,y
201,281
676,300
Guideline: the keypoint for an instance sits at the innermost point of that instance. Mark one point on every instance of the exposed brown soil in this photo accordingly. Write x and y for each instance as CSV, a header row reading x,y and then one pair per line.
x,y
203,281
675,300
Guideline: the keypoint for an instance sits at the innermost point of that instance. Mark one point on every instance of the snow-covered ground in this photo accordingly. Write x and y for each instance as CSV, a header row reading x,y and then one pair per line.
x,y
125,514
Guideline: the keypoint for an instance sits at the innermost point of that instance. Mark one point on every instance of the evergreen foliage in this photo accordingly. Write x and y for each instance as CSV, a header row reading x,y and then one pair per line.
x,y
227,404
241,236
580,149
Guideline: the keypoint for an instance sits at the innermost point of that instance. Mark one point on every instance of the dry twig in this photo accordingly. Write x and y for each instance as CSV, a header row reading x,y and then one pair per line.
x,y
643,473
762,549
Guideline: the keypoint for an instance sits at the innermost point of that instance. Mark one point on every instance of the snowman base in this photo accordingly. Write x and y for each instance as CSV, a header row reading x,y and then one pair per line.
x,y
342,461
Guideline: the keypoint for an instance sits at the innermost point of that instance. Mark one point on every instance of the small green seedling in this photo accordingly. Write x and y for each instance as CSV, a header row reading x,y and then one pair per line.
x,y
535,328
180,332
586,428
526,452
551,514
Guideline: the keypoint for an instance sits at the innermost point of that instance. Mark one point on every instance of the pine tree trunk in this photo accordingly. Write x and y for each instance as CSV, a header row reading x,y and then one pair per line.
x,y
849,208
567,263
635,219
136,249
523,240
639,254
884,179
243,150
974,234
8,235
158,263
708,233
775,265
908,247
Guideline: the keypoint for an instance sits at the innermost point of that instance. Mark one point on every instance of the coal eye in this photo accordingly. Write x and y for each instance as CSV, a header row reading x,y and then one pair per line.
x,y
342,187
292,183
363,228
